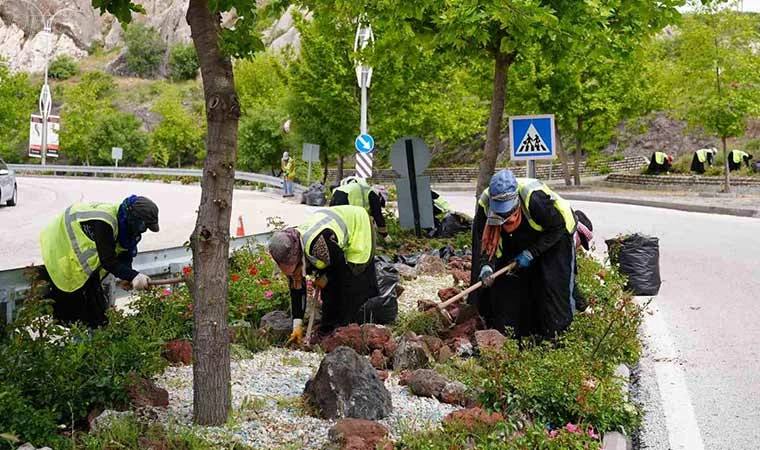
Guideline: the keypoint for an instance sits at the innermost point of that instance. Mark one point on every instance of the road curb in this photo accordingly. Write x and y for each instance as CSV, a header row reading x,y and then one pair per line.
x,y
614,440
721,210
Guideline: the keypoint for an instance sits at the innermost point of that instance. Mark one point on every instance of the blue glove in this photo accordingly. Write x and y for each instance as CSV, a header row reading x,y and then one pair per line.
x,y
524,259
485,273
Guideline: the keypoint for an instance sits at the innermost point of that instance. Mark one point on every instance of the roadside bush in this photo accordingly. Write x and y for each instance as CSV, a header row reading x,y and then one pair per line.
x,y
183,62
118,129
145,50
256,287
63,68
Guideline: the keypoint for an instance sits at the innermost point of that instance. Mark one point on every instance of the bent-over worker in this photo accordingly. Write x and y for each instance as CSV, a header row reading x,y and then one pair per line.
x,y
521,219
702,158
736,158
336,246
356,192
85,243
660,162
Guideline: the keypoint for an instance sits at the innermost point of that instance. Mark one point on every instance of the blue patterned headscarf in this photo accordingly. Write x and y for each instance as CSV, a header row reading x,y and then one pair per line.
x,y
125,239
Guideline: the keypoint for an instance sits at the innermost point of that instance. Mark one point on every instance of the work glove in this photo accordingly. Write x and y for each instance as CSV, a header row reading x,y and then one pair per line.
x,y
524,259
485,275
140,282
296,337
320,282
387,238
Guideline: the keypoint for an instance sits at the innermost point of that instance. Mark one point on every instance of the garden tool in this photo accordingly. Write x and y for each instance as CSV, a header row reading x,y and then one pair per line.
x,y
166,281
441,307
312,313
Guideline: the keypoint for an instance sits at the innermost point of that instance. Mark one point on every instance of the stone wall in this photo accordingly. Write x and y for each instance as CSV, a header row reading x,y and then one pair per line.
x,y
682,181
470,174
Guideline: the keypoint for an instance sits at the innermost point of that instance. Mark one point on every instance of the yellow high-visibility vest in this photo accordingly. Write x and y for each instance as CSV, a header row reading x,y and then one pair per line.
x,y
350,224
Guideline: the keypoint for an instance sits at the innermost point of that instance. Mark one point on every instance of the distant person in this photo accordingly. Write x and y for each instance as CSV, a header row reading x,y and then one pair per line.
x,y
356,192
288,174
440,208
736,158
85,243
661,162
702,158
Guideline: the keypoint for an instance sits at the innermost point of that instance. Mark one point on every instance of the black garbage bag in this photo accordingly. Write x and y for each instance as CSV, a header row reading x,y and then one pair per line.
x,y
315,195
410,260
454,223
639,259
383,308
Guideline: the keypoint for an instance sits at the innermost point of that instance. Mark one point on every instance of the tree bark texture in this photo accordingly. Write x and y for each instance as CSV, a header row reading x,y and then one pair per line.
x,y
325,160
563,160
727,176
340,169
502,61
211,238
578,149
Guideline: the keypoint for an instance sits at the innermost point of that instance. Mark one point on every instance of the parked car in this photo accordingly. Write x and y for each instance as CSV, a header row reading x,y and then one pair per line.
x,y
8,187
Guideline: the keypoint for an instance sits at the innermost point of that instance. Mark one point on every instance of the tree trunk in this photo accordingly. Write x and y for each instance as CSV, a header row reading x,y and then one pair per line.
x,y
578,147
727,187
563,160
340,170
210,240
325,160
502,61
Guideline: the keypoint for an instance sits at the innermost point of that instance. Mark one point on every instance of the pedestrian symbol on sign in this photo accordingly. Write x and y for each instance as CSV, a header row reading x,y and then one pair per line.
x,y
532,137
532,142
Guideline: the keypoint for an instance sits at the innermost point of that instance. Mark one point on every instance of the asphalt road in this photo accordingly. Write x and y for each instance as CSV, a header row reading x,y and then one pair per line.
x,y
41,199
702,355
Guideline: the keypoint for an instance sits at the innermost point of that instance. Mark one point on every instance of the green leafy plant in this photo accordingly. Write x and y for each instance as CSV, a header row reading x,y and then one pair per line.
x,y
183,62
63,68
145,50
255,286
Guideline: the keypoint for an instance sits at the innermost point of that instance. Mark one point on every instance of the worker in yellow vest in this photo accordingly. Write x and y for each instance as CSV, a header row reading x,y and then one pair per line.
x,y
702,158
335,246
87,242
355,191
736,158
522,220
288,174
660,162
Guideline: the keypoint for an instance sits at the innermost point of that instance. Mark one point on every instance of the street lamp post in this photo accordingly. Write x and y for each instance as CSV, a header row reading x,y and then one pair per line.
x,y
46,99
364,37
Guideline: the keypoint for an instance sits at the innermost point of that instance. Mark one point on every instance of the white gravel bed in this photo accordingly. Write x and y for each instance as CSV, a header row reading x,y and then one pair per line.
x,y
422,287
266,409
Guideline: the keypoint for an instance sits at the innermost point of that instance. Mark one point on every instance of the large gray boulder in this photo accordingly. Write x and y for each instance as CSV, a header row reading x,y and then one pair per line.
x,y
346,385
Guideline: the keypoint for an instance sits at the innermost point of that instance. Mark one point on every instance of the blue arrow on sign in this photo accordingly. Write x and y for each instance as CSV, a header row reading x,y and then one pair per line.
x,y
364,143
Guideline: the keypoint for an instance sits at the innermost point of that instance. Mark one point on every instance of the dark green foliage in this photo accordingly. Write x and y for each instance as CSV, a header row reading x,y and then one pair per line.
x,y
183,62
63,68
18,99
145,50
118,129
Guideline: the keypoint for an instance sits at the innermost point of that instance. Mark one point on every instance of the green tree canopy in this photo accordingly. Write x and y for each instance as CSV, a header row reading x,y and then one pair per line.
x,y
17,103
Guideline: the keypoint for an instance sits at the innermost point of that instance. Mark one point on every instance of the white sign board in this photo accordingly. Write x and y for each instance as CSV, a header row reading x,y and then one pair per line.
x,y
35,136
311,152
532,137
117,153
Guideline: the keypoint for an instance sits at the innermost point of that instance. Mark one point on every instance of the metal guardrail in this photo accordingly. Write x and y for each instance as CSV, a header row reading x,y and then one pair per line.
x,y
242,176
14,286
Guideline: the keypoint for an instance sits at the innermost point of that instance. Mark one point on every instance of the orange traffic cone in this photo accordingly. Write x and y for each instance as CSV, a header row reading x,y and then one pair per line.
x,y
240,229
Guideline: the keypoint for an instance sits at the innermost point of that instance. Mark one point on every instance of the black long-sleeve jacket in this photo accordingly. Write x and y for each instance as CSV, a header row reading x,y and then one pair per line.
x,y
120,265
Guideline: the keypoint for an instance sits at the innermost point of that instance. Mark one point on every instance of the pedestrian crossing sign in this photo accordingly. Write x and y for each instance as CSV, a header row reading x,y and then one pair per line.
x,y
532,137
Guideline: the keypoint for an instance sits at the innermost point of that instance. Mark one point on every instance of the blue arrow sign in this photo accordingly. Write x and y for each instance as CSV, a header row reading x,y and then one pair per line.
x,y
364,143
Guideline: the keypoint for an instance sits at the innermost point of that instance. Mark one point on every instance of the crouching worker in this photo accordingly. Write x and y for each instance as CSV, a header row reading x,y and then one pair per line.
x,y
660,162
86,243
336,246
356,192
522,220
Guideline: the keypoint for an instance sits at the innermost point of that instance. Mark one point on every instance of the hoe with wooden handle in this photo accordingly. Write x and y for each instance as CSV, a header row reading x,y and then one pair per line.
x,y
441,307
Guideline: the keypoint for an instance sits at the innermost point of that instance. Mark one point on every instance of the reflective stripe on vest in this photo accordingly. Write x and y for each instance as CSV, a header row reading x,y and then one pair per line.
x,y
69,255
702,155
442,205
738,156
526,187
357,193
350,224
659,157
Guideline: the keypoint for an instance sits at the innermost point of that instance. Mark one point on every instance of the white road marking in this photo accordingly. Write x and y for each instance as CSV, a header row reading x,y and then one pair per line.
x,y
683,431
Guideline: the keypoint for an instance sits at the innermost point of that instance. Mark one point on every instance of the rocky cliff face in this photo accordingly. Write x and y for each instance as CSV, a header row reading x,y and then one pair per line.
x,y
80,27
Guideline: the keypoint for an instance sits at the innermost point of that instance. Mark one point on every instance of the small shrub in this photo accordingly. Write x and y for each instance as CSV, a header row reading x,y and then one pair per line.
x,y
419,323
183,62
145,50
63,68
256,287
